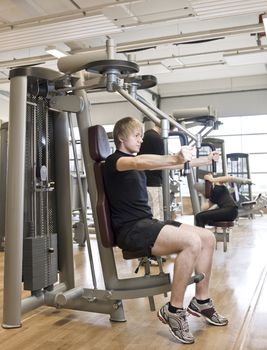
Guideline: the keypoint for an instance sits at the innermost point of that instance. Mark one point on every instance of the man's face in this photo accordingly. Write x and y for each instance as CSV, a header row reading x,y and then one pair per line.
x,y
132,143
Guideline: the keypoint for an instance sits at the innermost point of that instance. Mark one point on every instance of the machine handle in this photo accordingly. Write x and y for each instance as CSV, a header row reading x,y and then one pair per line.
x,y
214,167
187,168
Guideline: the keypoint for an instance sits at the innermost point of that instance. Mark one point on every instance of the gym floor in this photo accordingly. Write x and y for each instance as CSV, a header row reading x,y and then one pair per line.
x,y
238,288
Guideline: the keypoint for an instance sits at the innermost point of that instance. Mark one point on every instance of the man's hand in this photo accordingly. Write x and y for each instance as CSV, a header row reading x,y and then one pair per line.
x,y
186,154
214,155
209,177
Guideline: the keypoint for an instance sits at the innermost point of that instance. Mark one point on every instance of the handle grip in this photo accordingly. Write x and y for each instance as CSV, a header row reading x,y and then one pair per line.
x,y
187,168
214,167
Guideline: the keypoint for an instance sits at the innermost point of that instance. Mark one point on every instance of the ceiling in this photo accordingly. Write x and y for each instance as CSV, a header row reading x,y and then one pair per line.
x,y
181,42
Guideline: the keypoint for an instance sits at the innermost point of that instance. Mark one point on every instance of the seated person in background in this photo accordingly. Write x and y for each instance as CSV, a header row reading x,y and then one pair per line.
x,y
136,229
217,193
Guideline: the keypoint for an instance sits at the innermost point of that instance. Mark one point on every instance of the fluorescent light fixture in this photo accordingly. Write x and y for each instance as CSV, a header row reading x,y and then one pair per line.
x,y
60,31
246,58
264,18
52,50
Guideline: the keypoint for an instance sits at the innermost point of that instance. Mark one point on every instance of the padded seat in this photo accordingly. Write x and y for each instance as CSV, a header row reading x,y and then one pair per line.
x,y
224,235
128,255
223,224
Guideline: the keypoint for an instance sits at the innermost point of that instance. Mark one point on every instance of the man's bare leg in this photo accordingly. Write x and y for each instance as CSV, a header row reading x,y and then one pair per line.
x,y
194,247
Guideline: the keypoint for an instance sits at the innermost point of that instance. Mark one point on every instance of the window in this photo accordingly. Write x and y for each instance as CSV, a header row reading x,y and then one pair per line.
x,y
247,134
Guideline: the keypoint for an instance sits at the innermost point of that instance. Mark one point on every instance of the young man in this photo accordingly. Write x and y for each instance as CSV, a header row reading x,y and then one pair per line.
x,y
135,228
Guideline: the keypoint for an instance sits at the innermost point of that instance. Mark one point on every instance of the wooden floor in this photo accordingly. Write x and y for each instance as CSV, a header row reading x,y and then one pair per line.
x,y
238,288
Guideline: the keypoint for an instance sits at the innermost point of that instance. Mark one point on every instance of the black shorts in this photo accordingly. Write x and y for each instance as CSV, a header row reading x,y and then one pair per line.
x,y
142,235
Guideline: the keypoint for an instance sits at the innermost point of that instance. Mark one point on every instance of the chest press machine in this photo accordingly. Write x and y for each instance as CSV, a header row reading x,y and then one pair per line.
x,y
49,267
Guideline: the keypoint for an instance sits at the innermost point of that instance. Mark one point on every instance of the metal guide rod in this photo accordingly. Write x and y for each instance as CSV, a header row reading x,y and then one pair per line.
x,y
111,49
203,135
193,193
207,132
47,178
166,116
137,104
165,127
84,216
33,166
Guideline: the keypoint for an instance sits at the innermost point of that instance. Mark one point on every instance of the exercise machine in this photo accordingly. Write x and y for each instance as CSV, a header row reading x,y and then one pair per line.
x,y
39,243
203,118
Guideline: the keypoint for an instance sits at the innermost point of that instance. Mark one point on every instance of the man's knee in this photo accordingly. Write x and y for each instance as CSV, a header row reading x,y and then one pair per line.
x,y
208,238
194,245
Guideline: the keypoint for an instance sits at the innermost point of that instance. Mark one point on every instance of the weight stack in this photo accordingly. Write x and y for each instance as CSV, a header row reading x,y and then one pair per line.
x,y
40,262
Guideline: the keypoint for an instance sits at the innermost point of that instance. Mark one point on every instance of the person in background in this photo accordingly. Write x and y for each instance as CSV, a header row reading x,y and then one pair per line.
x,y
153,144
217,193
136,229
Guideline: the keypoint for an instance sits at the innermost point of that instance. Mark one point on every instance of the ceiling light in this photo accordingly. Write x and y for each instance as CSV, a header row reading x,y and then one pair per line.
x,y
50,33
52,50
246,58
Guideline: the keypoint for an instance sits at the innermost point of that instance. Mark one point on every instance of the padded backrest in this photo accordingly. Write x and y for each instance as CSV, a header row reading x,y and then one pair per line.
x,y
99,149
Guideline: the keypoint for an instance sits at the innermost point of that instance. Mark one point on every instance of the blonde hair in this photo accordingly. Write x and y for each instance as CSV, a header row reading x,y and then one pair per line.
x,y
124,127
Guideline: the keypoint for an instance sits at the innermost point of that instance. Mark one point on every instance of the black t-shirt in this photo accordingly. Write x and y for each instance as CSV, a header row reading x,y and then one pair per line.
x,y
221,196
126,192
152,144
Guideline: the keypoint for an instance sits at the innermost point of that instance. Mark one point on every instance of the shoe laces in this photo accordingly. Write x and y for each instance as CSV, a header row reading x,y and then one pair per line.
x,y
184,325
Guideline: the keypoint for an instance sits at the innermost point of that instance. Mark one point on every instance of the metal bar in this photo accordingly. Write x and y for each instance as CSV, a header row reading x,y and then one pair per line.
x,y
166,116
3,176
137,104
165,126
83,205
32,303
193,193
108,265
111,49
15,203
63,201
47,178
70,295
33,156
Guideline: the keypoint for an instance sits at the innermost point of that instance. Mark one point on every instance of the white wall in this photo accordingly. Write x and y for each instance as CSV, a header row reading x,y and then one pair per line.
x,y
109,113
117,108
226,104
4,109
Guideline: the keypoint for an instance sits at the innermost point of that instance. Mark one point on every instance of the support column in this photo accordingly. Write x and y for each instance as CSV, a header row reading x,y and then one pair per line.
x,y
15,203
